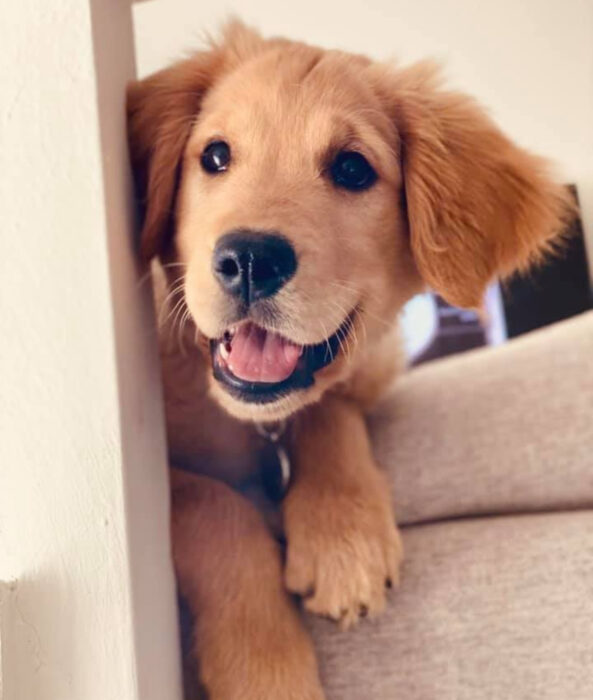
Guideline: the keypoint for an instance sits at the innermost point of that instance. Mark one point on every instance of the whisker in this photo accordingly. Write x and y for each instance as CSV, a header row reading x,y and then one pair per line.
x,y
172,311
176,288
358,314
370,314
341,284
175,313
345,313
148,274
179,320
182,324
327,343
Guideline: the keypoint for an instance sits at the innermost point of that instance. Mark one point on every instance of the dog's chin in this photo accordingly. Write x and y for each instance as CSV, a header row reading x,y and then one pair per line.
x,y
261,375
271,412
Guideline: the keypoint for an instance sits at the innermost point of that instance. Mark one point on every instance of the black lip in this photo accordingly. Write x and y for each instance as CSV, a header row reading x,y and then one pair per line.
x,y
314,358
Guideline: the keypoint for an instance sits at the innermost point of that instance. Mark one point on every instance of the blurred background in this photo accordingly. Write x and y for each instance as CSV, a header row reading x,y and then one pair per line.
x,y
529,62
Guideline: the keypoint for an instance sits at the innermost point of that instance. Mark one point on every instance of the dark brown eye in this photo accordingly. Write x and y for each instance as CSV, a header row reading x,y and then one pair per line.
x,y
216,157
352,171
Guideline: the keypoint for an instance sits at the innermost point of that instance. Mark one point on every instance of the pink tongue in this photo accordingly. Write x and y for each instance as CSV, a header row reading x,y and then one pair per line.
x,y
258,355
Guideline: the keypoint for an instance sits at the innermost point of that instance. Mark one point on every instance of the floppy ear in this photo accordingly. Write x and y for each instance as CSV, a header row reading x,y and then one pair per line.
x,y
161,111
478,206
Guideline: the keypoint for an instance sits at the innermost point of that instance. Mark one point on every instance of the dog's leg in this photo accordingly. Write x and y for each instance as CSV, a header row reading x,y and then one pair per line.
x,y
344,548
248,638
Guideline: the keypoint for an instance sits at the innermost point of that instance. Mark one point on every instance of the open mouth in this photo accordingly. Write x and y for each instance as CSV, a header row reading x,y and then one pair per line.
x,y
257,365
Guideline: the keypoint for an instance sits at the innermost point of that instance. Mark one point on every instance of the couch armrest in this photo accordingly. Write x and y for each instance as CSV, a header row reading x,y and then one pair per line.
x,y
497,430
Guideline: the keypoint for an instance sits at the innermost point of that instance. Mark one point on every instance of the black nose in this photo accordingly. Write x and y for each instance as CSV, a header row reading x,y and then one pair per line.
x,y
252,264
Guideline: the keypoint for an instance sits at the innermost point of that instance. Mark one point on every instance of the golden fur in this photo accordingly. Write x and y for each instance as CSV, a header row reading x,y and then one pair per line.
x,y
455,205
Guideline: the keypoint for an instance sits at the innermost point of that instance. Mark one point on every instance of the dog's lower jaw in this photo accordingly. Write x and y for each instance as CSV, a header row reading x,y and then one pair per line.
x,y
281,409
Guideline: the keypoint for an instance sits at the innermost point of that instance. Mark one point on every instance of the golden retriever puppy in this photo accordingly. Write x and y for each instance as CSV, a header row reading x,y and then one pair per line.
x,y
296,199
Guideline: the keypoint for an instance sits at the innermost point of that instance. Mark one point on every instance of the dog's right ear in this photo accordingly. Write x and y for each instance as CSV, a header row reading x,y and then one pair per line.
x,y
478,206
161,110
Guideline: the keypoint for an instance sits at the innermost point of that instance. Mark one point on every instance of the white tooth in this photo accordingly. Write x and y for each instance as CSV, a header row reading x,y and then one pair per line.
x,y
302,350
224,353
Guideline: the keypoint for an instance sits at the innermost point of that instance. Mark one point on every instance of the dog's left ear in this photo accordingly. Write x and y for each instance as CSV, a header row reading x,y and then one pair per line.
x,y
478,206
161,110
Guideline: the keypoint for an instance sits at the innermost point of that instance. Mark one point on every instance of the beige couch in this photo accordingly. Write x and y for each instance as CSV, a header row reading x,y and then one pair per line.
x,y
491,456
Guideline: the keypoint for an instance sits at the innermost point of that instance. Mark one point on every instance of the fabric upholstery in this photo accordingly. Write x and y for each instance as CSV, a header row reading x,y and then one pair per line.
x,y
506,429
488,609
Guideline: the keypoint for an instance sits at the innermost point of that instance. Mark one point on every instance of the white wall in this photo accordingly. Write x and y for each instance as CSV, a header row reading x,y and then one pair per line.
x,y
87,610
529,61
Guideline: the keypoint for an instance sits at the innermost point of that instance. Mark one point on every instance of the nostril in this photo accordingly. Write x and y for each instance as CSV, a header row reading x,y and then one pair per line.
x,y
228,268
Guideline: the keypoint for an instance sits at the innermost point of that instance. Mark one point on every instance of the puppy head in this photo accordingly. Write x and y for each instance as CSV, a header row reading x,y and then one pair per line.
x,y
307,194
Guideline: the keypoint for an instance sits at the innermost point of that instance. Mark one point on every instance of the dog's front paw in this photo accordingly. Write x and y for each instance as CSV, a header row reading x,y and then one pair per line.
x,y
344,551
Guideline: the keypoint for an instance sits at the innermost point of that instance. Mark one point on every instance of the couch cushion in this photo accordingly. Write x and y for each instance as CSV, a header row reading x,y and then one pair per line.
x,y
488,609
496,430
